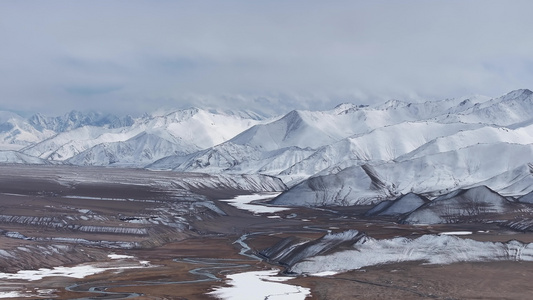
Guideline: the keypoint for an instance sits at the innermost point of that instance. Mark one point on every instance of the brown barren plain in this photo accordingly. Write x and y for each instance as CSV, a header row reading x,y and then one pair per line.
x,y
118,198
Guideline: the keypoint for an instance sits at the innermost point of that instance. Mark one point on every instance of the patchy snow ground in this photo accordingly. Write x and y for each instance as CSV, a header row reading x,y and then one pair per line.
x,y
79,271
7,295
260,285
244,202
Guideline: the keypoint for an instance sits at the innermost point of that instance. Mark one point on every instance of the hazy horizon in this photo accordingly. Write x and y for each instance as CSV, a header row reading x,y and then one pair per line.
x,y
130,57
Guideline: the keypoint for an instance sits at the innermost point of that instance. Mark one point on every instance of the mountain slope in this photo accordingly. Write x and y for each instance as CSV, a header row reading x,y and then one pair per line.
x,y
76,119
139,150
16,132
14,157
460,206
431,175
382,144
179,132
402,205
514,107
344,156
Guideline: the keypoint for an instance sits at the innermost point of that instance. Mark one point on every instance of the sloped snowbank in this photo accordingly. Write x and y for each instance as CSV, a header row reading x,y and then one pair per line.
x,y
431,249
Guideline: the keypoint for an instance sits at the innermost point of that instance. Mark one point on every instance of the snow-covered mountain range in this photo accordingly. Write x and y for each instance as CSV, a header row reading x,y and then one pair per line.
x,y
344,156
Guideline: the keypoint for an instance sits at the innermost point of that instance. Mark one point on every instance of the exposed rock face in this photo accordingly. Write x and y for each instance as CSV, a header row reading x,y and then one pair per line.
x,y
402,205
527,198
460,205
289,251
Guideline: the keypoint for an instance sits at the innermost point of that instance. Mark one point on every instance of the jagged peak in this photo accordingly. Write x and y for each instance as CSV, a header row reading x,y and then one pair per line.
x,y
393,103
6,116
343,107
476,190
184,114
243,114
293,114
517,94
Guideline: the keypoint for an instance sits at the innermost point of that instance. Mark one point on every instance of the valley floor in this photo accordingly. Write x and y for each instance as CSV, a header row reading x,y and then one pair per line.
x,y
194,259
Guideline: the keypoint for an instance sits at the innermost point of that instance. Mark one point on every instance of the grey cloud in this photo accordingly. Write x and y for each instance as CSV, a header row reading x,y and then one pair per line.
x,y
91,90
137,55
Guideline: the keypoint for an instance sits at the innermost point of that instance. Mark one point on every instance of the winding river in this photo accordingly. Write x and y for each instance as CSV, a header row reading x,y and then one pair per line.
x,y
208,272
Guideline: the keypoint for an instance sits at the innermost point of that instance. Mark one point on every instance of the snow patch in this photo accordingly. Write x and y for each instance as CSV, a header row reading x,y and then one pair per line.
x,y
119,256
325,273
456,233
13,295
431,249
260,285
80,271
244,202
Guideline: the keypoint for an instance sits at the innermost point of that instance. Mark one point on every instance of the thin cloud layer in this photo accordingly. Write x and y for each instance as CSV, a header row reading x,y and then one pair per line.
x,y
135,56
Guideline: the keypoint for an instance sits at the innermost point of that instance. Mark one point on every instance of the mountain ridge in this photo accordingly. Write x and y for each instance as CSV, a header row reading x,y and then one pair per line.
x,y
351,154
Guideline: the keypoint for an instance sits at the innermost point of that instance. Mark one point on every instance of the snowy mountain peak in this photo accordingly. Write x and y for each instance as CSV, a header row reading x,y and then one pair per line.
x,y
392,104
348,155
517,94
243,114
344,108
76,119
181,115
7,116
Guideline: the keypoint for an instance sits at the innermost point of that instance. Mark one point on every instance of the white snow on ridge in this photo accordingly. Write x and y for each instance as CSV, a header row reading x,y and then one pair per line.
x,y
438,146
431,249
14,157
187,131
500,166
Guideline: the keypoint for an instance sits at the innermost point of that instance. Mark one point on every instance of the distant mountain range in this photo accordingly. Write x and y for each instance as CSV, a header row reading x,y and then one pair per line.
x,y
344,156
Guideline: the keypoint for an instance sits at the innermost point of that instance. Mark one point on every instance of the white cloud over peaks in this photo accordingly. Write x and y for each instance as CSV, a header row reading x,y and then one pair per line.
x,y
138,55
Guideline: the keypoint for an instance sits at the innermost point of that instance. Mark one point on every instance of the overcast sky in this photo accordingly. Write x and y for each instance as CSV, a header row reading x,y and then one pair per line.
x,y
136,56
